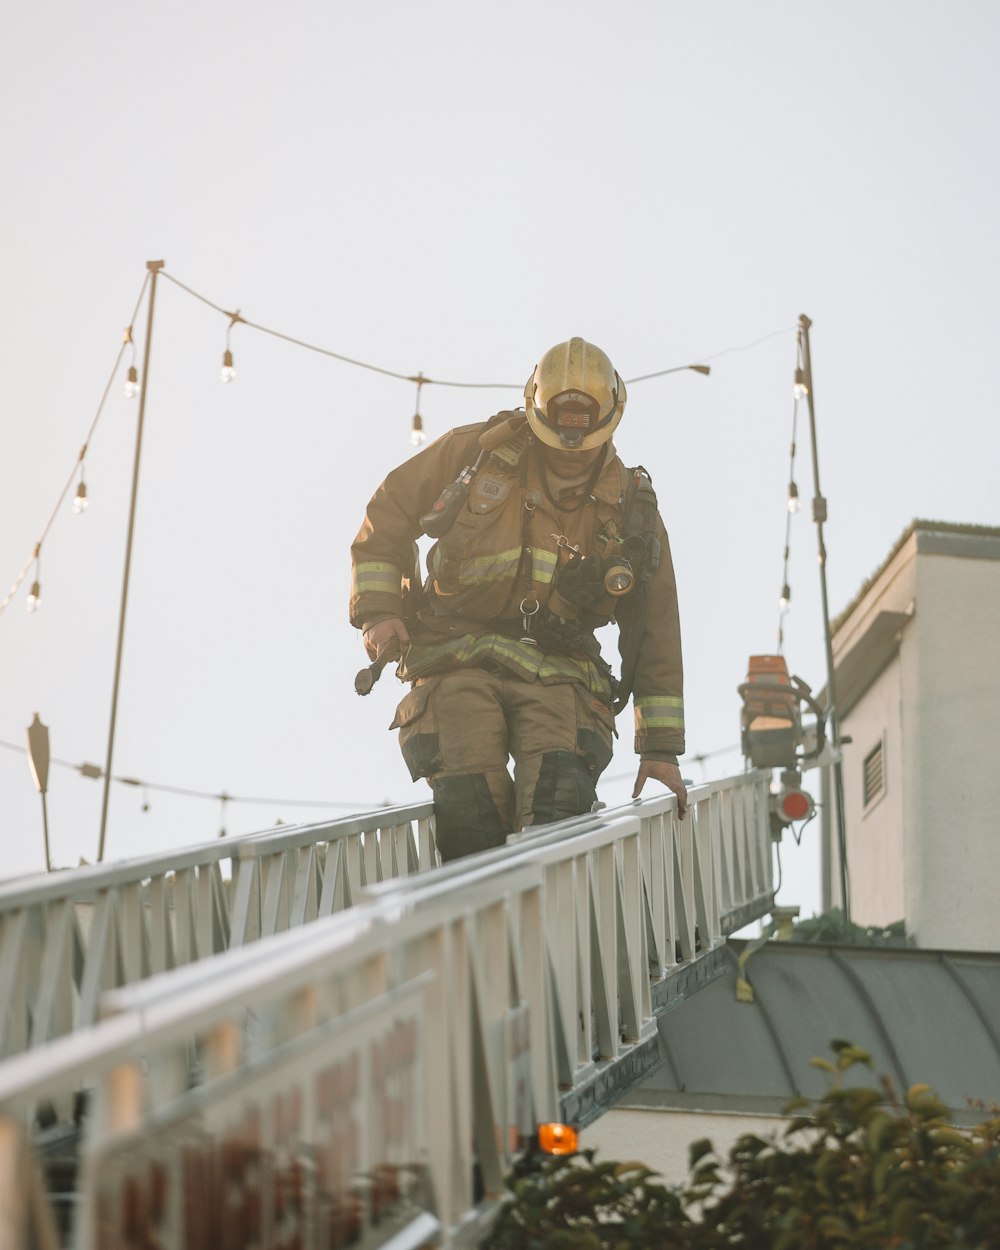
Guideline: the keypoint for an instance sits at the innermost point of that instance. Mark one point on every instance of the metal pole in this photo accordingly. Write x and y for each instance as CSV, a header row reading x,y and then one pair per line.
x,y
819,516
45,832
154,267
38,758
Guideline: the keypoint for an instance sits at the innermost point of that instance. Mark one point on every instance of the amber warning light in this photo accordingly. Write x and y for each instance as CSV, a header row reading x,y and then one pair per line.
x,y
557,1139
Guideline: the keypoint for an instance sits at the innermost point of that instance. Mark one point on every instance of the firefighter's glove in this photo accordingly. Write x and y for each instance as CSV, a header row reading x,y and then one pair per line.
x,y
580,584
386,639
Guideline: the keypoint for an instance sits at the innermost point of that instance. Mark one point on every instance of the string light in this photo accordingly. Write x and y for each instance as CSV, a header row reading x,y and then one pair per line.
x,y
227,373
417,435
15,586
799,388
785,602
132,376
80,499
35,593
793,498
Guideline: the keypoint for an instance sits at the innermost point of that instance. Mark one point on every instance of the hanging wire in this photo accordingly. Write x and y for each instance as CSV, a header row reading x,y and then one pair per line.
x,y
726,351
95,772
16,584
326,351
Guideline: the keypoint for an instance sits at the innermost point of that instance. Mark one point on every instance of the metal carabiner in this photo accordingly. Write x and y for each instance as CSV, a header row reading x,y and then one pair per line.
x,y
526,614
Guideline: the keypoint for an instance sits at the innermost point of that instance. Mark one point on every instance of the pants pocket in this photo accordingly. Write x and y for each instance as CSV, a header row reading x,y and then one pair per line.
x,y
418,735
594,732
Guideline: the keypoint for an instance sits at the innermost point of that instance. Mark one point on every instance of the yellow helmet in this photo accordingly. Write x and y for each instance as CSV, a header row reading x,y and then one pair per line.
x,y
574,399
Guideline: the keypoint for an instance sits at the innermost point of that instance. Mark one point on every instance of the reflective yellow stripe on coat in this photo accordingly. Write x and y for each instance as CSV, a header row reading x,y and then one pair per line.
x,y
375,577
501,565
658,712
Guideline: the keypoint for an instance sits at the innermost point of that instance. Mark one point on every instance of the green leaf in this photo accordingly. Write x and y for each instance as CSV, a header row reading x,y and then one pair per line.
x,y
848,1056
918,1091
882,1131
880,1172
904,1217
946,1136
832,1229
927,1107
698,1149
708,1173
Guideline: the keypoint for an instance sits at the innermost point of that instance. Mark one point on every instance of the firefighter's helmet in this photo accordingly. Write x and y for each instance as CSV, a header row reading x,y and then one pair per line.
x,y
574,399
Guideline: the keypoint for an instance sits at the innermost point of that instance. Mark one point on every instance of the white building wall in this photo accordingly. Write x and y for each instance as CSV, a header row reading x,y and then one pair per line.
x,y
952,700
875,851
875,840
660,1138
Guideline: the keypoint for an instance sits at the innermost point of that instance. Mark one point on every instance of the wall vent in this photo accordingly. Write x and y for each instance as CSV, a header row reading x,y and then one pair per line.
x,y
874,775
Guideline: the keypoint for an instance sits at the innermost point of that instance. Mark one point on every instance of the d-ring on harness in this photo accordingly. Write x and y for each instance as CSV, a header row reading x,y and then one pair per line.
x,y
528,608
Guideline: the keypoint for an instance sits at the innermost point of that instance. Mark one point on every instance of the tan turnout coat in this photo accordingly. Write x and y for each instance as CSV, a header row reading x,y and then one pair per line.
x,y
501,559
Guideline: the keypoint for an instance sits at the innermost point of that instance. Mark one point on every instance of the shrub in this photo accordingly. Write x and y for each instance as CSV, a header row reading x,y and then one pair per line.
x,y
864,1168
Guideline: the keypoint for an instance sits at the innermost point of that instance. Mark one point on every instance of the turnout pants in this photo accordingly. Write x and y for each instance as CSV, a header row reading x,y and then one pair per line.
x,y
460,729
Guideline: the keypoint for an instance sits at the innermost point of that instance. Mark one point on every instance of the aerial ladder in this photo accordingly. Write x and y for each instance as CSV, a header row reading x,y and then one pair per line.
x,y
319,1036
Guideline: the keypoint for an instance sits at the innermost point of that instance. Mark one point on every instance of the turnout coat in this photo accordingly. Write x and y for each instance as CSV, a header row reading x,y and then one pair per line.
x,y
492,581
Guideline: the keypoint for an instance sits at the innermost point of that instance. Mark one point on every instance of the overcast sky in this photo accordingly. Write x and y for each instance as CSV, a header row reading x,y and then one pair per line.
x,y
452,188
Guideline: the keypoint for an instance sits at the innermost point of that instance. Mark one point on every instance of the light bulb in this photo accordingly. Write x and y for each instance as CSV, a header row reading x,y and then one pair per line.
x,y
132,382
785,602
31,603
799,389
81,501
793,498
417,435
227,372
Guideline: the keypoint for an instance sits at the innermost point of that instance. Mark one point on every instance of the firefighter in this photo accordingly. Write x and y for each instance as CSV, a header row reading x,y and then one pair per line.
x,y
542,536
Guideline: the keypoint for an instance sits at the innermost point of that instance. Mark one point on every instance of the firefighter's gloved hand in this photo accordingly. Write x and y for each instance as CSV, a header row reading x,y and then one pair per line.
x,y
669,774
388,639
